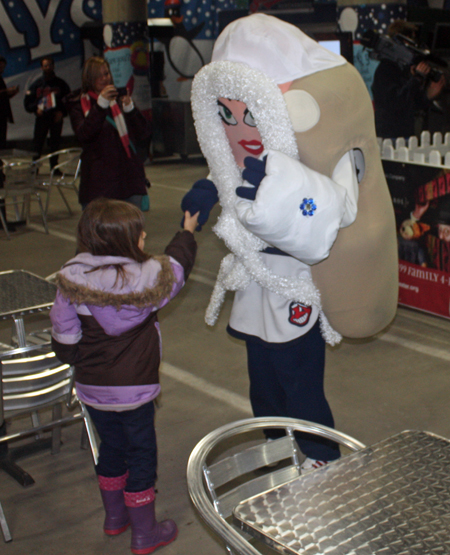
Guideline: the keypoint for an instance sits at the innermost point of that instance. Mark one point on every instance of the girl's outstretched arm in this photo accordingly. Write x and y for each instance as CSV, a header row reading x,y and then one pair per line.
x,y
190,222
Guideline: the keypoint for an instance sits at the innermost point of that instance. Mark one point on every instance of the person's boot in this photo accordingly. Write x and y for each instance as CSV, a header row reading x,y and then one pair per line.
x,y
147,534
116,518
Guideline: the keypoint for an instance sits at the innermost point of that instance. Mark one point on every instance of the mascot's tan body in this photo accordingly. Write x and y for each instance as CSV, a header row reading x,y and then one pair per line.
x,y
311,231
354,284
358,282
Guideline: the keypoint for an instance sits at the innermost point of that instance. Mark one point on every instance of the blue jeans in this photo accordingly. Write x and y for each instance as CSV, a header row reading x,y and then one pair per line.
x,y
127,442
288,381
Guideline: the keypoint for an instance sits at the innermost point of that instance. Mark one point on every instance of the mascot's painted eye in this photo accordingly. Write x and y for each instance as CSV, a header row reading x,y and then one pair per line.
x,y
226,115
248,118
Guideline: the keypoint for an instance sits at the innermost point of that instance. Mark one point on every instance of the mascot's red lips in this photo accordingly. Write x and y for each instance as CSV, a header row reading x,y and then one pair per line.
x,y
252,147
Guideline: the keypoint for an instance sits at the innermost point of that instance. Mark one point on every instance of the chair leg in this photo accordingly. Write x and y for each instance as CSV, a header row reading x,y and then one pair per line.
x,y
90,434
36,423
4,526
56,431
65,200
47,200
84,443
4,224
43,213
26,208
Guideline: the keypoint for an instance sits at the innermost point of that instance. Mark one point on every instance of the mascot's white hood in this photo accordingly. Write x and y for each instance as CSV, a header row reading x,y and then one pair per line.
x,y
277,49
251,57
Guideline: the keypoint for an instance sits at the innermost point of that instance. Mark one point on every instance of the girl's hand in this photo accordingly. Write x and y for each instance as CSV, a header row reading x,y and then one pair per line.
x,y
109,92
190,222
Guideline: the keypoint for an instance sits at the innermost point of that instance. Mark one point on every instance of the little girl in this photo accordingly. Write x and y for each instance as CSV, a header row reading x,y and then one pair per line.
x,y
105,324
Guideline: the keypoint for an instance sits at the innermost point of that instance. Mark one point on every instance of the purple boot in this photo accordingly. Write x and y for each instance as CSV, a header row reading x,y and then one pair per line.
x,y
147,534
116,519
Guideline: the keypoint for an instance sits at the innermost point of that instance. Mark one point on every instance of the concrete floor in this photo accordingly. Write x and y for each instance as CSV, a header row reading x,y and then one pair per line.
x,y
397,381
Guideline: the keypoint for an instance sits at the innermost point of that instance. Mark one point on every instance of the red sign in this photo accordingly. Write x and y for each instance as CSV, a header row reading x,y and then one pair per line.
x,y
424,288
421,199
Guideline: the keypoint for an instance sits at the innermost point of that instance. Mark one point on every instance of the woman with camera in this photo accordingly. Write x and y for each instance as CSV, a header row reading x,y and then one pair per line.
x,y
108,125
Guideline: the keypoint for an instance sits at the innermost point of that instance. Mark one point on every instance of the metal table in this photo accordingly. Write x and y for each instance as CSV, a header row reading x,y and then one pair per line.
x,y
23,293
15,155
389,499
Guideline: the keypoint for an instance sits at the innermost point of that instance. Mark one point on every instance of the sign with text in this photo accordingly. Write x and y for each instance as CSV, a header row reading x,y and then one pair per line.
x,y
421,199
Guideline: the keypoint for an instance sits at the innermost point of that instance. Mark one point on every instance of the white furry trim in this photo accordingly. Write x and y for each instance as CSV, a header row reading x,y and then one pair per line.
x,y
265,101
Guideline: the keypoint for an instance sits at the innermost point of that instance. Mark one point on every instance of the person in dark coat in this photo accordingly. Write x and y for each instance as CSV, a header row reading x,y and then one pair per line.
x,y
44,98
400,93
108,128
5,107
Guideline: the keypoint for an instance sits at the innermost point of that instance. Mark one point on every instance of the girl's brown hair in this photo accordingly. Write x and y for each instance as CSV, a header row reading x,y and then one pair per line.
x,y
91,71
111,228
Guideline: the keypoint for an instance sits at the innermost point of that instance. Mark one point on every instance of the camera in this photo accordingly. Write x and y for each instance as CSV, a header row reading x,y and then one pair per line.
x,y
121,91
402,51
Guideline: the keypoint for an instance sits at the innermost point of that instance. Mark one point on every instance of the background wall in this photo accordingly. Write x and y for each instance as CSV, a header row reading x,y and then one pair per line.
x,y
31,29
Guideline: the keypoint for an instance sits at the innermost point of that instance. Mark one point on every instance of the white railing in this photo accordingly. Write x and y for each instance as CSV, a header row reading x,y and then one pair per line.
x,y
436,153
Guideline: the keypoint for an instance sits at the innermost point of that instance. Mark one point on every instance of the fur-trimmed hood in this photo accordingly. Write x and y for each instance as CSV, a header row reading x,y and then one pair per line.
x,y
147,283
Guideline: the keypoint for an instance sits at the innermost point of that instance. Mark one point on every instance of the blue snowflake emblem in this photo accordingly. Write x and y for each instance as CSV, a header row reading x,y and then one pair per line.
x,y
308,207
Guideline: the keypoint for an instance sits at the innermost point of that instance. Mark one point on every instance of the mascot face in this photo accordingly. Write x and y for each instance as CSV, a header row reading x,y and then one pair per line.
x,y
240,129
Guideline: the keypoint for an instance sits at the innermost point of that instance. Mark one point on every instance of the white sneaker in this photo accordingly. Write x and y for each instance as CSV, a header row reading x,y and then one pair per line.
x,y
309,465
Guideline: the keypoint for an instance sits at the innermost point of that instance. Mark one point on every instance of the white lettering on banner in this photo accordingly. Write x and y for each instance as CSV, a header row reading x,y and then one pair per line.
x,y
13,37
77,14
426,275
423,274
43,23
412,288
395,177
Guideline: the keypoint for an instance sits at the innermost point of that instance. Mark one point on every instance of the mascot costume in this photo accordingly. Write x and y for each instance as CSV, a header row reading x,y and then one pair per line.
x,y
287,129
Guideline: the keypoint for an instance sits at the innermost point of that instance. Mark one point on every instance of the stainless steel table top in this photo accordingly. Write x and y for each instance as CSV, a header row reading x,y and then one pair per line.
x,y
392,499
15,154
22,293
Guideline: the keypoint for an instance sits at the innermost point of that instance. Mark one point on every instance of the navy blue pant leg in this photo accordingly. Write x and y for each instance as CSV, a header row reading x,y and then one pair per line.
x,y
289,381
127,442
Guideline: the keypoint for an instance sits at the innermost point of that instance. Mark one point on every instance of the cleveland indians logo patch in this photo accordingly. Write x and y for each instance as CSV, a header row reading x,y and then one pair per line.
x,y
299,314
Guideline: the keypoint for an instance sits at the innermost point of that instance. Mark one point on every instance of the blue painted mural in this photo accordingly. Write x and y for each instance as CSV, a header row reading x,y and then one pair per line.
x,y
34,28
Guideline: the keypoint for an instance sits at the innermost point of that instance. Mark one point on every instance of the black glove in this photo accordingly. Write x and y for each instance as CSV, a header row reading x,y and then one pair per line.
x,y
254,173
201,198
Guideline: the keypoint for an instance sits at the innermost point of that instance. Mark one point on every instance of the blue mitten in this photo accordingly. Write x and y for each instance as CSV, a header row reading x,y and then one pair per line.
x,y
254,173
201,198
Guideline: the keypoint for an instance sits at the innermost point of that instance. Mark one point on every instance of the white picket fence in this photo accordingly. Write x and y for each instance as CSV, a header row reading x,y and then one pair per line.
x,y
436,153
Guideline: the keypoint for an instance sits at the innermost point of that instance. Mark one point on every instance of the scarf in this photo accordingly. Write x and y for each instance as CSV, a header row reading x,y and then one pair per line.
x,y
117,121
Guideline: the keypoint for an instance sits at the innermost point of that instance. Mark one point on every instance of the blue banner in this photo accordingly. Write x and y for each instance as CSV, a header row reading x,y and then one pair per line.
x,y
32,29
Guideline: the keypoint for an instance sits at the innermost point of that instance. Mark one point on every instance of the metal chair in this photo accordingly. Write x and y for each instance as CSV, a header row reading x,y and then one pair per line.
x,y
32,378
4,526
64,175
216,487
17,191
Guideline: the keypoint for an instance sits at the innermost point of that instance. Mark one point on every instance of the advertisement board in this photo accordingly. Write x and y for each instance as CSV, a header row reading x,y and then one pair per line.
x,y
421,199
